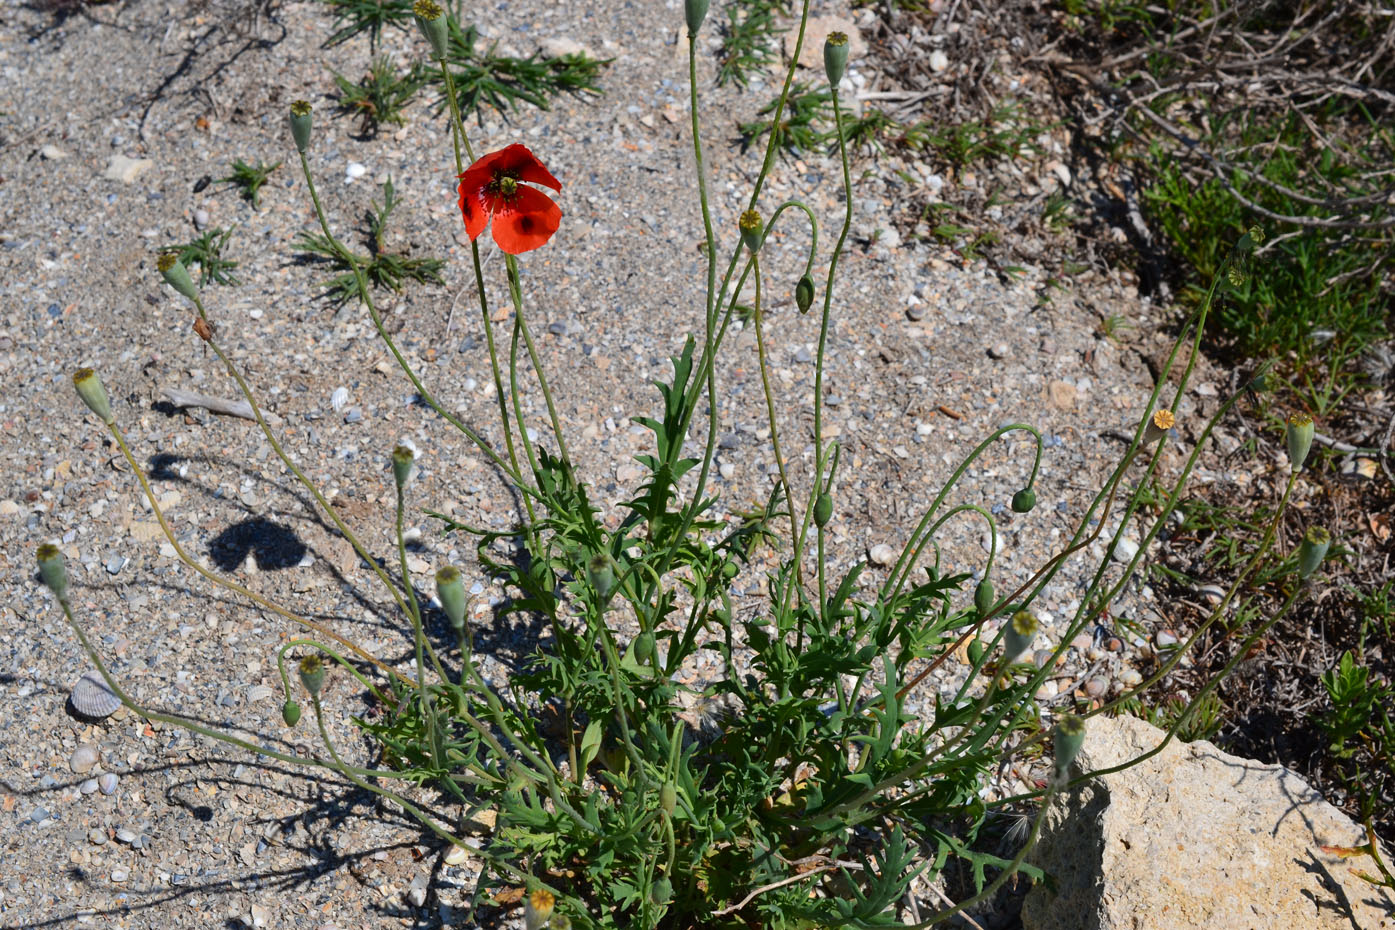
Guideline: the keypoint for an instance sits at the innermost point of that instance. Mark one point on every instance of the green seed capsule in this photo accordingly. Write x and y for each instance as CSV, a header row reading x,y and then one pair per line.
x,y
300,124
450,590
1313,550
290,713
644,647
1024,500
402,460
804,294
1022,629
835,57
89,388
752,228
662,892
668,799
53,570
176,275
431,20
312,673
695,11
1070,736
1299,438
601,574
823,510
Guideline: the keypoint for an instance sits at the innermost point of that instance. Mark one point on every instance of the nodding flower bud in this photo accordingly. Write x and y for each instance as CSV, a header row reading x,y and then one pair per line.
x,y
537,909
661,892
668,798
290,713
835,57
403,458
89,388
984,598
1021,630
751,228
1158,425
974,650
1299,436
823,510
1070,736
804,294
450,588
176,275
1312,550
601,574
312,673
301,124
1024,500
432,22
52,570
695,11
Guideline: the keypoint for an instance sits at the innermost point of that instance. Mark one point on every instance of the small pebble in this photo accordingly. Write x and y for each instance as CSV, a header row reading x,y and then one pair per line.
x,y
998,351
915,312
127,835
939,61
39,815
115,564
200,219
98,837
119,875
1165,638
89,786
107,783
354,415
1125,549
1130,678
355,171
883,555
1096,687
726,470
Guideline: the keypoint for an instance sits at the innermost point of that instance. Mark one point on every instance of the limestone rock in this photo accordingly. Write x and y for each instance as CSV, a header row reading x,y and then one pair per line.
x,y
1196,838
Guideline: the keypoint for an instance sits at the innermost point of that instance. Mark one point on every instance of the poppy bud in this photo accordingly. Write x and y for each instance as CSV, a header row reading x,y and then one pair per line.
x,y
402,460
823,510
89,388
804,294
601,574
538,908
1299,437
668,799
751,227
835,57
662,891
1312,550
312,673
974,651
300,125
431,20
1158,425
52,570
176,275
1070,736
644,647
984,597
696,12
450,589
1021,630
290,713
1024,500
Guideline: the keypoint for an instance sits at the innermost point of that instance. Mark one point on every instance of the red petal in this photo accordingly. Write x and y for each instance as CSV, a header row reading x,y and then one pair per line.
x,y
517,161
472,208
528,223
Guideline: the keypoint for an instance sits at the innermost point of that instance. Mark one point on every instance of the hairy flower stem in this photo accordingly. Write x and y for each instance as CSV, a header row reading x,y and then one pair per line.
x,y
418,638
763,359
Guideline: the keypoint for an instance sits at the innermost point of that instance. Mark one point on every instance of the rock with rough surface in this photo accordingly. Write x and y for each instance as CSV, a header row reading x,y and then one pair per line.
x,y
1196,838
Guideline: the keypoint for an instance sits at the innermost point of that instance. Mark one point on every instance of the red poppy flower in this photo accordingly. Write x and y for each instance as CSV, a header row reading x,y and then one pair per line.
x,y
524,217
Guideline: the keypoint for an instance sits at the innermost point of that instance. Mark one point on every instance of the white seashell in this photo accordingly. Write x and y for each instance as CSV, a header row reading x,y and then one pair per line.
x,y
90,697
339,398
107,783
83,759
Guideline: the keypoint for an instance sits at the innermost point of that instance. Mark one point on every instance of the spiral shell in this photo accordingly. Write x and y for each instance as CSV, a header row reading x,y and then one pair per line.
x,y
339,398
90,697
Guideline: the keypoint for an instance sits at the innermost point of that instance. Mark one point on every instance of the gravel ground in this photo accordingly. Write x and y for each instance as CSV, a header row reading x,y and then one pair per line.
x,y
928,354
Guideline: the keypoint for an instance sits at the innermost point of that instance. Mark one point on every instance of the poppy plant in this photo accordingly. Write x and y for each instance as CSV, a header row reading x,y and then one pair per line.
x,y
524,217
